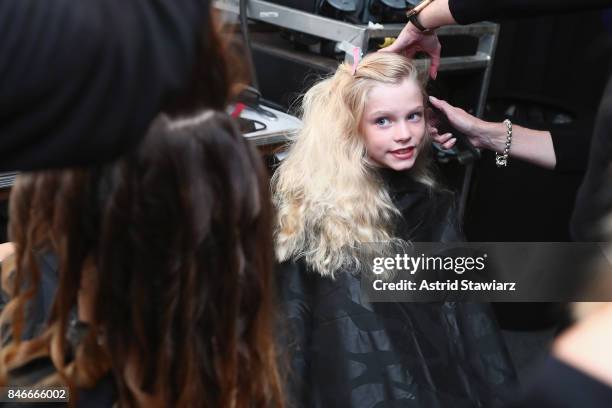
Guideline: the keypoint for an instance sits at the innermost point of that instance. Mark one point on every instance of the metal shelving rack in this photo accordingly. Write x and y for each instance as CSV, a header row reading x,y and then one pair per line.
x,y
360,35
7,180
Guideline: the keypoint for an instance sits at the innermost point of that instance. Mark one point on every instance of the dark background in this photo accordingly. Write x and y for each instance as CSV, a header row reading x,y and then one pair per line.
x,y
545,64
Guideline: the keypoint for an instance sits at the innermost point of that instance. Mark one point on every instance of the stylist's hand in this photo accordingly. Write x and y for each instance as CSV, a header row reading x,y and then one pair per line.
x,y
481,134
411,40
6,249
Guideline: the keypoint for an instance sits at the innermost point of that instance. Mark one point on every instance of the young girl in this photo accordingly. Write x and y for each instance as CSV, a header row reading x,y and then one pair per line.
x,y
360,172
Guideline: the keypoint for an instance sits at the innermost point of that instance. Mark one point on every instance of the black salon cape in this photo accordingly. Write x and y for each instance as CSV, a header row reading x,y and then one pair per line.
x,y
347,352
81,80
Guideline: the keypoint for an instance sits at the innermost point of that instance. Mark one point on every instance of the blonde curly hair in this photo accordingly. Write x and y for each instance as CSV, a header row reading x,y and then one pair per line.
x,y
329,198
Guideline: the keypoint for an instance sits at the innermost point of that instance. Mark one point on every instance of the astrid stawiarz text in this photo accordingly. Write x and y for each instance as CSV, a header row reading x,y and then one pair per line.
x,y
458,265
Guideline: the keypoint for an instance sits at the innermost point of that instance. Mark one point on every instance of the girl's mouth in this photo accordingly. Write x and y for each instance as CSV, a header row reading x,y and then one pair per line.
x,y
404,154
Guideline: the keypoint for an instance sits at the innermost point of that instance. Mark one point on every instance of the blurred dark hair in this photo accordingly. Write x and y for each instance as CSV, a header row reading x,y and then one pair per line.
x,y
178,236
215,78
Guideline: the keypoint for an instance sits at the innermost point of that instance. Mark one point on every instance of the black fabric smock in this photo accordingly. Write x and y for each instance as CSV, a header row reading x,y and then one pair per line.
x,y
348,352
472,11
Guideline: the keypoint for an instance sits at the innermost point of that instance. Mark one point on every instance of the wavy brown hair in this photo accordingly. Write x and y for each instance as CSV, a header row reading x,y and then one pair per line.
x,y
176,237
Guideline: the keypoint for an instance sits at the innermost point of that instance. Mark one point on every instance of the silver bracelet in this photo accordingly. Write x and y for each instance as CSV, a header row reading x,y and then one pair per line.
x,y
501,160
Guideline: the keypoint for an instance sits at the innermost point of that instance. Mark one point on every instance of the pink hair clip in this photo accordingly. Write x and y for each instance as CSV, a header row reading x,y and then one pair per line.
x,y
356,58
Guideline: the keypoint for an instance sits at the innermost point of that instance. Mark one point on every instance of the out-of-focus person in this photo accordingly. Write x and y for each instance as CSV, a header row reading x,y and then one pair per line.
x,y
81,81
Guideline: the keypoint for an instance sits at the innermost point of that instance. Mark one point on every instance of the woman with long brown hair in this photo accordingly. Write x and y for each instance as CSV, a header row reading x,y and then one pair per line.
x,y
164,293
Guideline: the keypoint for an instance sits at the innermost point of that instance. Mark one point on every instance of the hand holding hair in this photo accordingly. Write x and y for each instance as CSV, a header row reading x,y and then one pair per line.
x,y
446,140
411,41
533,146
465,123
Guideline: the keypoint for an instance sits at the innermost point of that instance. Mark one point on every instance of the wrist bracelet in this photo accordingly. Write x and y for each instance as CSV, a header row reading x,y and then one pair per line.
x,y
501,160
414,19
418,8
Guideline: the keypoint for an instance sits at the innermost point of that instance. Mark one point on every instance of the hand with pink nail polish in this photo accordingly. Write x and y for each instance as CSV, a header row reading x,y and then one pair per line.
x,y
533,146
446,140
412,40
477,130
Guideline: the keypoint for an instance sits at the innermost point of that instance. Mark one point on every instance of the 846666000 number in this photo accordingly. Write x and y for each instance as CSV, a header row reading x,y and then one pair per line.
x,y
34,394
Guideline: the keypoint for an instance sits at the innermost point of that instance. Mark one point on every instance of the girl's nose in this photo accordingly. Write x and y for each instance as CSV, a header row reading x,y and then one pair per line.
x,y
402,134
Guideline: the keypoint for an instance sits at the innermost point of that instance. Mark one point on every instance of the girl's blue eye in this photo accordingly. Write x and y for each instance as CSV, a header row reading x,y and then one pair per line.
x,y
382,121
415,116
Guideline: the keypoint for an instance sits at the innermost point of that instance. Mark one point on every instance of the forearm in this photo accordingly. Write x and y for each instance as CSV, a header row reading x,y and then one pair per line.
x,y
533,146
437,14
471,11
446,12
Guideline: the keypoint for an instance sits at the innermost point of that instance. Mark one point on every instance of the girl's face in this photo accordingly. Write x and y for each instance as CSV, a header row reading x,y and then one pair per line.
x,y
393,124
